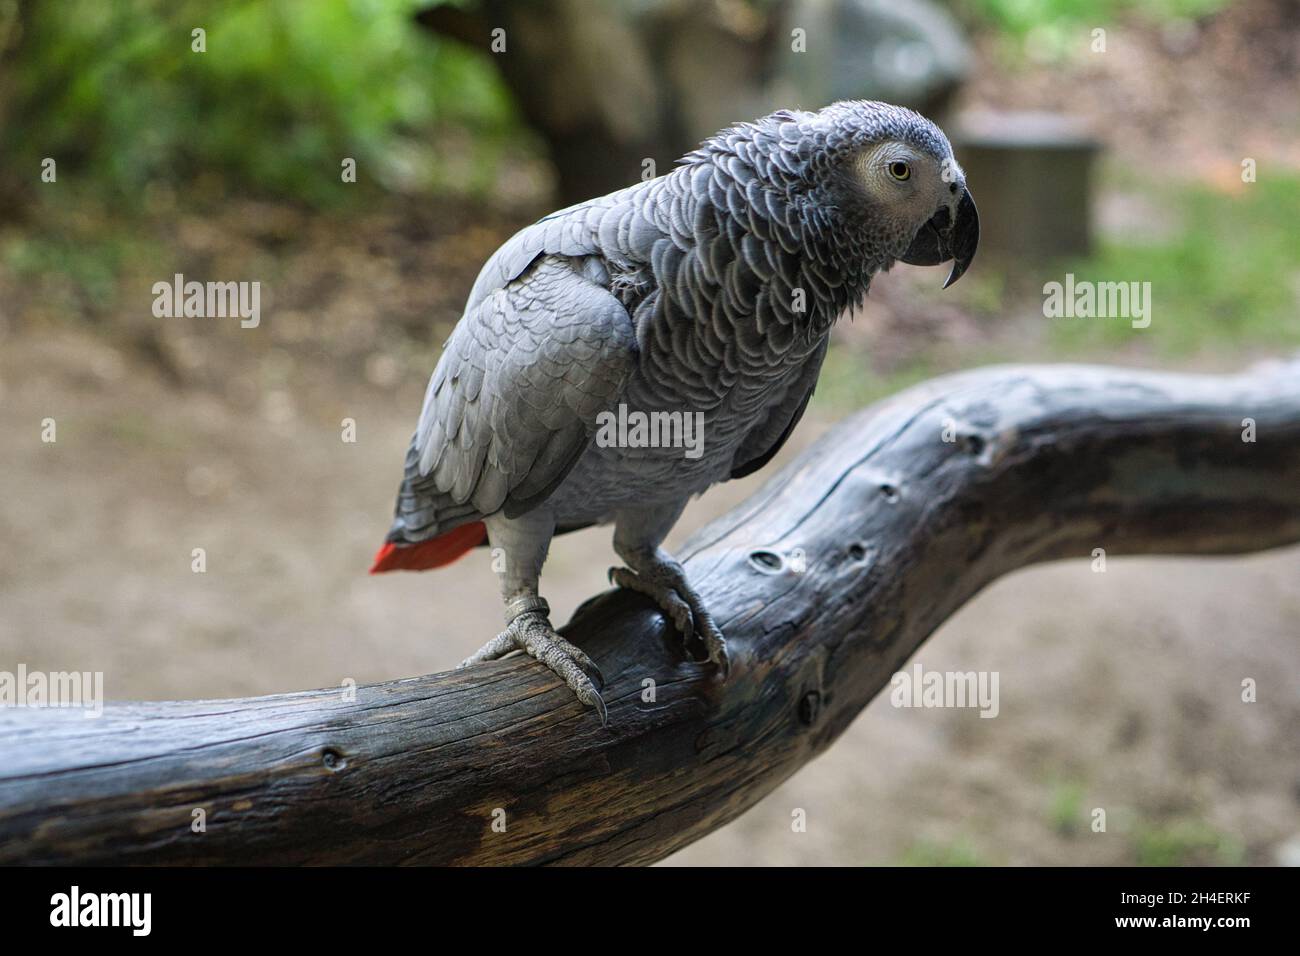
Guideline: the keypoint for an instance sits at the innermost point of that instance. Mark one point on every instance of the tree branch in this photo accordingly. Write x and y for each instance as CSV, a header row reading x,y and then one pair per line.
x,y
897,527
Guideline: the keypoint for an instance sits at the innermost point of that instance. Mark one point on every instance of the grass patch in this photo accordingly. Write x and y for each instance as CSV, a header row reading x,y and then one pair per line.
x,y
958,852
848,380
1230,276
1184,843
1065,810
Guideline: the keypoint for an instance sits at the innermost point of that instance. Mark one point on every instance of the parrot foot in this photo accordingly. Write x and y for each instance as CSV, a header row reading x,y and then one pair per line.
x,y
665,583
531,632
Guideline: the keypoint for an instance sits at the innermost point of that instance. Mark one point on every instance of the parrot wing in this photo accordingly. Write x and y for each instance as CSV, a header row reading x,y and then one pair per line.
x,y
593,227
513,401
761,445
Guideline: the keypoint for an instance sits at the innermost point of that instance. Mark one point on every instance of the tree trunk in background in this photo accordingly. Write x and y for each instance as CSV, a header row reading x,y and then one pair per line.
x,y
15,23
609,86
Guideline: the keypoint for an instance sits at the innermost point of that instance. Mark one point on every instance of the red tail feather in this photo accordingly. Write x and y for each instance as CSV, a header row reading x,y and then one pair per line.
x,y
433,553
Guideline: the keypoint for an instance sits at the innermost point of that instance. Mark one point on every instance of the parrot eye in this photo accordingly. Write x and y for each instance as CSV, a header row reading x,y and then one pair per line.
x,y
900,170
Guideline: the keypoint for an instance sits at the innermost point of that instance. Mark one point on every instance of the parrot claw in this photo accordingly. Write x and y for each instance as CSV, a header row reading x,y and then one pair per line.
x,y
599,704
665,583
532,633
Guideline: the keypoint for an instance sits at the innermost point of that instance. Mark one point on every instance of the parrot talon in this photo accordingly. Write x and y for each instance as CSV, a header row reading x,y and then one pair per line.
x,y
531,632
581,658
599,703
666,586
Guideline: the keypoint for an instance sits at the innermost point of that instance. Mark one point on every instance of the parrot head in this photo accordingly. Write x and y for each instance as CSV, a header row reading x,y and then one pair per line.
x,y
886,182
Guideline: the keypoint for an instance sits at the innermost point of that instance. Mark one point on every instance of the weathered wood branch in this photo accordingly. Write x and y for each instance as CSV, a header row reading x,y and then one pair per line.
x,y
898,528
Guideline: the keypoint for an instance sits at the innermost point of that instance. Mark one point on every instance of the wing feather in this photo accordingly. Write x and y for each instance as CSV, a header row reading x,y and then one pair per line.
x,y
513,402
761,445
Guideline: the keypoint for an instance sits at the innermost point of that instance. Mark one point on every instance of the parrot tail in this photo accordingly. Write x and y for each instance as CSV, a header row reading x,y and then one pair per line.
x,y
434,553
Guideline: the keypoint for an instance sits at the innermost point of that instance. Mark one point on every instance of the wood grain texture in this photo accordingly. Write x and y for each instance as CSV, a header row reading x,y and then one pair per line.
x,y
897,527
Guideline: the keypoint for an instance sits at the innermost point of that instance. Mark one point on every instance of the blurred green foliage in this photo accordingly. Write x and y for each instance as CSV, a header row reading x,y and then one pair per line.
x,y
1021,17
1056,30
284,92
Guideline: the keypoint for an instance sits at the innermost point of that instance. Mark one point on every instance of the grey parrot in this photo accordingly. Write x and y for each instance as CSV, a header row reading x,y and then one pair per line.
x,y
705,295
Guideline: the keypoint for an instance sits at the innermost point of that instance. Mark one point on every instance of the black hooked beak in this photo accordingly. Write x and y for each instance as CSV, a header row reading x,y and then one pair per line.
x,y
946,237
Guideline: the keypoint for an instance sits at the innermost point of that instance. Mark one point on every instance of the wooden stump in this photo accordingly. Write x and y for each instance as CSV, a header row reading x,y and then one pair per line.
x,y
1032,176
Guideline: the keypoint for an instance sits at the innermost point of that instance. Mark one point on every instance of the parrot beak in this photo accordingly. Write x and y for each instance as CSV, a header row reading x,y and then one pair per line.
x,y
947,236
